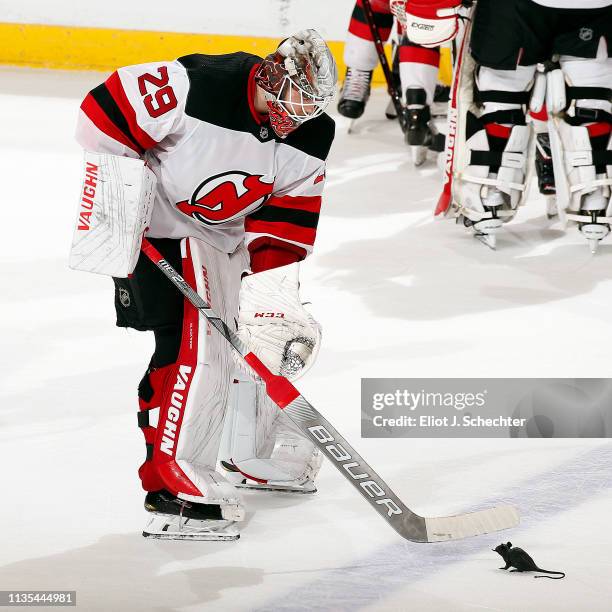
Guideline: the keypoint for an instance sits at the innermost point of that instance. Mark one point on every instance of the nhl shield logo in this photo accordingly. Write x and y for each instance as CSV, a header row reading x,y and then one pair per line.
x,y
263,133
585,34
124,297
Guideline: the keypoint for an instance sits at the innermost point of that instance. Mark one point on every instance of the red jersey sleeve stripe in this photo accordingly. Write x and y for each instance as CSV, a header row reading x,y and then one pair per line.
x,y
306,203
99,118
287,231
116,90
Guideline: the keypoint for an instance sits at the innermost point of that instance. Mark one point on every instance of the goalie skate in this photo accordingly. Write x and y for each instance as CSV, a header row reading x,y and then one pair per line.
x,y
305,485
421,134
172,518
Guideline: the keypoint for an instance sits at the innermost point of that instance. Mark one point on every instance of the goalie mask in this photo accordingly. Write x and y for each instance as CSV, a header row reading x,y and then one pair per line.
x,y
299,81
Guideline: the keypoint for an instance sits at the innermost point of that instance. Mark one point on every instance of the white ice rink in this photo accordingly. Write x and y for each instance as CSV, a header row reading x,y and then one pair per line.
x,y
398,294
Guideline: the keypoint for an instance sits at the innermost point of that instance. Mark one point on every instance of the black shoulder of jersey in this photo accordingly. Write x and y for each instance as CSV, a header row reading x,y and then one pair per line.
x,y
218,87
314,137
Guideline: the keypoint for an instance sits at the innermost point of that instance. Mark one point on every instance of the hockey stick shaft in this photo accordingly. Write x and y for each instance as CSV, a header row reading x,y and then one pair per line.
x,y
325,437
380,50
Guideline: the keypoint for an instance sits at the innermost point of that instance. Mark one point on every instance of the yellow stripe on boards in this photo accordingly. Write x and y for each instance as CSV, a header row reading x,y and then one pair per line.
x,y
104,49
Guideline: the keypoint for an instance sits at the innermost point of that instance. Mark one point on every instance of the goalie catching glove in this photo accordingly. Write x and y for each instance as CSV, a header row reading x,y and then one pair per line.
x,y
274,323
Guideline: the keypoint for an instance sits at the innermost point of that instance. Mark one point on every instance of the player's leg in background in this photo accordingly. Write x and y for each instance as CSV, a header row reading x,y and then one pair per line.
x,y
361,58
508,40
418,68
585,48
543,159
184,393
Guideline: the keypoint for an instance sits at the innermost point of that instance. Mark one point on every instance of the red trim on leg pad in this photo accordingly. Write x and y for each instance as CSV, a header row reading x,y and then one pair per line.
x,y
162,470
599,129
498,131
253,478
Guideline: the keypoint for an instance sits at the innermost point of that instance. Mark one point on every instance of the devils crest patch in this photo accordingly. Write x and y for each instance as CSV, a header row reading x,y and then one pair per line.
x,y
226,196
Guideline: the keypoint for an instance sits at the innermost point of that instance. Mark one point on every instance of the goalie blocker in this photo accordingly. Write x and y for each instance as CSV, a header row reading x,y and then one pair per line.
x,y
115,206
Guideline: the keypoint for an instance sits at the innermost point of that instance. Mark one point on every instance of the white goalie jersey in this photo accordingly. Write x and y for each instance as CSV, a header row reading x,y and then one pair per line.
x,y
223,176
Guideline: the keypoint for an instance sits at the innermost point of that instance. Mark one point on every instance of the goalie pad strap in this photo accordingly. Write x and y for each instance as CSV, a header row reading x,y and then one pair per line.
x,y
589,93
582,219
493,182
605,182
513,116
508,159
503,97
149,417
587,115
588,158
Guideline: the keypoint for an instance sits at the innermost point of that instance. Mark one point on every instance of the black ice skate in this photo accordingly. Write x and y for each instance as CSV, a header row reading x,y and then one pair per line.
x,y
593,210
355,93
420,136
172,518
486,229
545,172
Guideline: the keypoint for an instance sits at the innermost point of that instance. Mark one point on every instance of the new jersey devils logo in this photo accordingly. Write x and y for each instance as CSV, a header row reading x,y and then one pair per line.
x,y
226,196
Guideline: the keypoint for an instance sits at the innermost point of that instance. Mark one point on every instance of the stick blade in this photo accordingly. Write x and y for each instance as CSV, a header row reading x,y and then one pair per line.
x,y
443,529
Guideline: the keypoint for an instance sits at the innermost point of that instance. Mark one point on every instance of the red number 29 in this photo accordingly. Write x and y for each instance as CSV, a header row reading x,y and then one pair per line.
x,y
164,99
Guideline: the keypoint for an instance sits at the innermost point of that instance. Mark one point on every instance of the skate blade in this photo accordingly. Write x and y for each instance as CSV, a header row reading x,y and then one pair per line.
x,y
351,127
594,233
171,527
202,537
489,240
276,488
419,155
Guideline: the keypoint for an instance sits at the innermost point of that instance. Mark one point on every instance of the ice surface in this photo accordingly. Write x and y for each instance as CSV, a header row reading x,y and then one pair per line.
x,y
398,294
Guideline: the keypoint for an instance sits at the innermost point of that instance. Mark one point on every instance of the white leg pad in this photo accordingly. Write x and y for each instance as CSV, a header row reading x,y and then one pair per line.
x,y
264,444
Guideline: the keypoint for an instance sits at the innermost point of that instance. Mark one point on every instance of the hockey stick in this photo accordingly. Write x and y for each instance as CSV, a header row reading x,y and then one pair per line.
x,y
380,50
371,487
